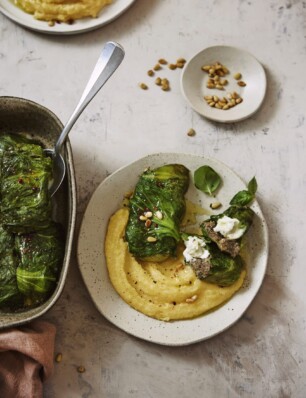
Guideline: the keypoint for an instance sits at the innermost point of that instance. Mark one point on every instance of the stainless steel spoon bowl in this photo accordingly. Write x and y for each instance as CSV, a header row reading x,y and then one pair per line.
x,y
109,60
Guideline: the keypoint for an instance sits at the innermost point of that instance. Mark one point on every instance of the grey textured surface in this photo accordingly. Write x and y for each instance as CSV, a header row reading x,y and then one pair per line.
x,y
263,355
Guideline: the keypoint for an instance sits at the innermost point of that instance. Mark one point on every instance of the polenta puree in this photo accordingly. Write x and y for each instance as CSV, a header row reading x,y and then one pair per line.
x,y
166,291
62,10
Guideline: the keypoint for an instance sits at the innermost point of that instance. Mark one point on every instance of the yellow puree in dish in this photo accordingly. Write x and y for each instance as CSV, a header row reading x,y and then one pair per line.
x,y
168,290
62,10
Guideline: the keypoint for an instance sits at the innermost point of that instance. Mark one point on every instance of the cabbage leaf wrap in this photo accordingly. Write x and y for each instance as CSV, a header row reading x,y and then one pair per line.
x,y
244,214
25,174
31,243
219,268
156,211
9,293
41,254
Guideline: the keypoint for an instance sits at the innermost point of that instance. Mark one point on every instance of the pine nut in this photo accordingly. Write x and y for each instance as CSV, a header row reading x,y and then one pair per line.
x,y
191,299
59,357
151,239
81,369
172,66
159,215
215,205
191,132
143,86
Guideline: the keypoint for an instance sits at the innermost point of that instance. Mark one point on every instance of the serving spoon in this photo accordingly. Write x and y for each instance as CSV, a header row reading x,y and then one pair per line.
x,y
109,60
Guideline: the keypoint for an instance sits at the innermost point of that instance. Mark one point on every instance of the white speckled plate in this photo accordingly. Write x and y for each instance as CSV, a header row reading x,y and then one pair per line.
x,y
107,199
194,80
108,14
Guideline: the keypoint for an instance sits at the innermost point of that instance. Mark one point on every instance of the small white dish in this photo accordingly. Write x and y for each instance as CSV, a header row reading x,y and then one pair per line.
x,y
194,80
107,199
108,14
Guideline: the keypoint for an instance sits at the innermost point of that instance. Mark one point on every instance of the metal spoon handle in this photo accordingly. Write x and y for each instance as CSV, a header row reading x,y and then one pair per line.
x,y
109,60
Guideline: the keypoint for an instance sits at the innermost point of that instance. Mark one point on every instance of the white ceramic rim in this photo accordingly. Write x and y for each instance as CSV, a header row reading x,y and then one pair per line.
x,y
237,113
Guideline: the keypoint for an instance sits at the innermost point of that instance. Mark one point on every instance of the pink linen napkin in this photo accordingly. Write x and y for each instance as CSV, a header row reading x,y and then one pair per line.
x,y
26,359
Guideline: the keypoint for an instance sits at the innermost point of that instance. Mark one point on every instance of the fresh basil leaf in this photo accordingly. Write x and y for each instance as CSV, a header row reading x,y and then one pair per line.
x,y
245,197
242,198
207,179
252,186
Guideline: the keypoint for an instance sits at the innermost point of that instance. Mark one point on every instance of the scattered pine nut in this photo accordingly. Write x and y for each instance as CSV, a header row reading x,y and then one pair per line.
x,y
165,87
172,66
237,76
165,84
191,133
215,205
158,81
81,369
241,83
143,86
162,61
157,67
59,357
150,72
148,214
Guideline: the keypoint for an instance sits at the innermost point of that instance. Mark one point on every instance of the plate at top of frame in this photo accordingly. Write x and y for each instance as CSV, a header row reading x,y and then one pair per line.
x,y
107,15
194,81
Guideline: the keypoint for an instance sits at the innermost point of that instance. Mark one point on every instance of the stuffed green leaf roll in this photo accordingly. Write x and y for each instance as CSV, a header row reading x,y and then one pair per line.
x,y
156,210
25,174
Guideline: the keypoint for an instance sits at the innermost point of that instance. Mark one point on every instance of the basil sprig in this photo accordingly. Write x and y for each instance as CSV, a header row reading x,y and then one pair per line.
x,y
245,197
207,180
